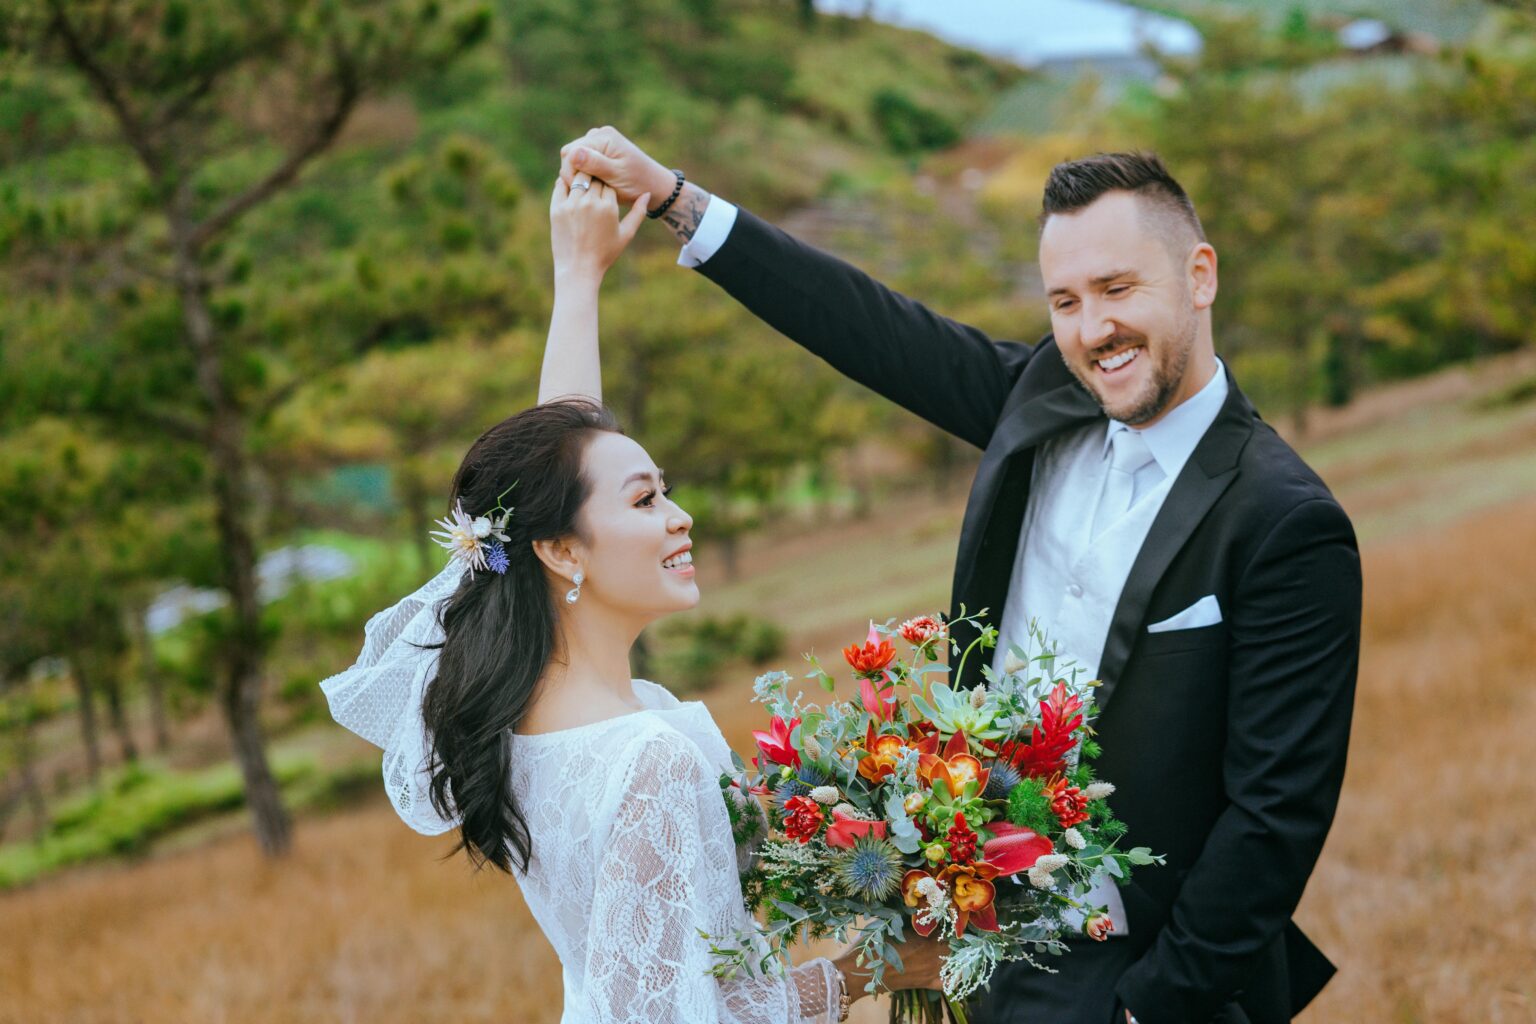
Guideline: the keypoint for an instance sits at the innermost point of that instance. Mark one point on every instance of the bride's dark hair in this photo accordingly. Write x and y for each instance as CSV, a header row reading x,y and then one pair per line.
x,y
499,630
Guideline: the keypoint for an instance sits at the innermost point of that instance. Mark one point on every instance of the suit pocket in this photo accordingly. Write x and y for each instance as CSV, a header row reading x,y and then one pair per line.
x,y
1204,612
1212,638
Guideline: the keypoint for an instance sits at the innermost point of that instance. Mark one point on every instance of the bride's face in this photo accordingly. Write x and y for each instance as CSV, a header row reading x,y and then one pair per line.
x,y
636,554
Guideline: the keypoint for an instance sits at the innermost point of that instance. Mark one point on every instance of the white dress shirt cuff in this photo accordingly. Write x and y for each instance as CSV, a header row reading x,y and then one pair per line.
x,y
719,217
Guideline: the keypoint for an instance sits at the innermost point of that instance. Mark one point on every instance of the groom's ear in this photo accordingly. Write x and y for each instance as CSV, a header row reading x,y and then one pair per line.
x,y
1202,275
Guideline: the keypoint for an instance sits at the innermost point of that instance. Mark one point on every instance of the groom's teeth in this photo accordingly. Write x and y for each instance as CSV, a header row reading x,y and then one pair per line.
x,y
686,558
1115,362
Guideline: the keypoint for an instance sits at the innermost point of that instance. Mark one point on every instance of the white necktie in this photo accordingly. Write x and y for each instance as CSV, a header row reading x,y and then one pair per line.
x,y
1128,453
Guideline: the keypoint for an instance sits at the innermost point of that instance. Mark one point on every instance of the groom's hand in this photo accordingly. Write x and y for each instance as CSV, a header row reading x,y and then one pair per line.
x,y
618,163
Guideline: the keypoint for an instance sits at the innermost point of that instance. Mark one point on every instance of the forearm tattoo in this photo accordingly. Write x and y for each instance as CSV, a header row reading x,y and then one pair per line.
x,y
684,215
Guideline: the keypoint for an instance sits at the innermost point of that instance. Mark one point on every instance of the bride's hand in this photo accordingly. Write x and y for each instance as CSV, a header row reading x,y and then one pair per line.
x,y
585,231
921,959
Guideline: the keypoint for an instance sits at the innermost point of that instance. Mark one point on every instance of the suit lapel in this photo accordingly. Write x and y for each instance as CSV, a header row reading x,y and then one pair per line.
x,y
1209,472
994,515
1030,422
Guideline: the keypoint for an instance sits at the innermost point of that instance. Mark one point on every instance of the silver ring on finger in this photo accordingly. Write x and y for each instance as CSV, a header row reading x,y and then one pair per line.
x,y
583,185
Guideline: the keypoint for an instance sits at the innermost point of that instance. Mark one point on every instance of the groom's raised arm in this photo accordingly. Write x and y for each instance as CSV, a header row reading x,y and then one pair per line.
x,y
951,374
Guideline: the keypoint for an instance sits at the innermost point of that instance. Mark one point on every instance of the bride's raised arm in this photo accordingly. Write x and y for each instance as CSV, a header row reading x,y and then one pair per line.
x,y
586,236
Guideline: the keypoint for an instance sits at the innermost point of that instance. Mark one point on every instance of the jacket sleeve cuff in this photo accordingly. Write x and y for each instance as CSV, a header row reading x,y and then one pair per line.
x,y
714,227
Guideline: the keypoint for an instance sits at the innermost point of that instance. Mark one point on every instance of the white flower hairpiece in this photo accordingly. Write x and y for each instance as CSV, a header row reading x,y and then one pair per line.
x,y
466,538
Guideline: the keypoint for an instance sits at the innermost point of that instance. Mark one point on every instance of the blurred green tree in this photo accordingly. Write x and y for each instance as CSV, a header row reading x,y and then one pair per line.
x,y
188,119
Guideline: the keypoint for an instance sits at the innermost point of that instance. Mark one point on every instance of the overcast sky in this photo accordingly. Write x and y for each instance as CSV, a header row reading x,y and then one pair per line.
x,y
1028,31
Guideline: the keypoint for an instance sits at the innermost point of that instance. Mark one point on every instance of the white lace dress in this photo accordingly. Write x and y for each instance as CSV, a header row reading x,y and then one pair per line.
x,y
632,849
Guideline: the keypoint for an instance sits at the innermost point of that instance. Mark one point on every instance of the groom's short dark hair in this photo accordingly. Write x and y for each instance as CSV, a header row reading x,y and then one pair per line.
x,y
1077,183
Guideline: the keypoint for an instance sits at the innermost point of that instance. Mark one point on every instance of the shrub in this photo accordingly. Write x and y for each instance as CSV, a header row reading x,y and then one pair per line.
x,y
909,127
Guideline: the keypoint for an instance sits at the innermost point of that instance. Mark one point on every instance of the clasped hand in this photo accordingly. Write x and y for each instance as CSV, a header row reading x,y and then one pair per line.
x,y
586,234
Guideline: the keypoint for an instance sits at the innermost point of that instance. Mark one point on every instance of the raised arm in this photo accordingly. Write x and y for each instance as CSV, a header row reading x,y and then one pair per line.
x,y
586,236
949,373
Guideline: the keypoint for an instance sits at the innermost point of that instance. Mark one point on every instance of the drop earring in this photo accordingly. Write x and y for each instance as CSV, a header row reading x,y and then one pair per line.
x,y
575,592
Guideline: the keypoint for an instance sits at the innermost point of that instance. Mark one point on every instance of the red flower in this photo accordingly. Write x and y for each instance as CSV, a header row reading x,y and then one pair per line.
x,y
775,743
1067,803
962,841
845,829
803,820
1098,927
922,630
1014,849
873,656
1045,752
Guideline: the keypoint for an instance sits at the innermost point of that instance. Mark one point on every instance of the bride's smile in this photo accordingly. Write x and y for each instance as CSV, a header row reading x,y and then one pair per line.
x,y
634,549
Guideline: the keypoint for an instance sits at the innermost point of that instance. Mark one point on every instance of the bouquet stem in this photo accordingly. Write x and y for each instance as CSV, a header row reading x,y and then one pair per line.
x,y
923,1006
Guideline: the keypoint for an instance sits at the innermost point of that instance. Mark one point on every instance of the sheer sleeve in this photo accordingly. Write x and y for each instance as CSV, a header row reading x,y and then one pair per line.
x,y
666,873
379,696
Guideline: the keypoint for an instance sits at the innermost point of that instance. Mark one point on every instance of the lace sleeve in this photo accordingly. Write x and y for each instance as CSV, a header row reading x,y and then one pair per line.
x,y
379,696
666,873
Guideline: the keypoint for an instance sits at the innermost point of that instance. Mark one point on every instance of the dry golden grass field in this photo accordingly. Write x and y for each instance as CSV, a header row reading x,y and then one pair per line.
x,y
1425,895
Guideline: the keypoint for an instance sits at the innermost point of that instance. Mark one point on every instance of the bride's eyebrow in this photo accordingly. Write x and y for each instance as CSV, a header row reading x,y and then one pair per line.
x,y
645,475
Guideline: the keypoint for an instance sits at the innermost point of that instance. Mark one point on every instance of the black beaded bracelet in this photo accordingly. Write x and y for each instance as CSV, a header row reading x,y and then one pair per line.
x,y
676,191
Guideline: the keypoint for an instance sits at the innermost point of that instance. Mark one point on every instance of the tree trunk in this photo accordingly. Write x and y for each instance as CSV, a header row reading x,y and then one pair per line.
x,y
225,443
944,458
154,682
29,787
243,652
1301,382
274,830
113,684
729,544
88,734
414,494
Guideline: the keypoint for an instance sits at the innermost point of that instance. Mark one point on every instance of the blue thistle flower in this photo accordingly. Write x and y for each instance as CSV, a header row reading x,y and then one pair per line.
x,y
497,559
871,870
1002,780
807,778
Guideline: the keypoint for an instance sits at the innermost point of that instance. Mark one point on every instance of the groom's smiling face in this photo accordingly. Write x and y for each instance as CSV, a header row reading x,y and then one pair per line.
x,y
1129,287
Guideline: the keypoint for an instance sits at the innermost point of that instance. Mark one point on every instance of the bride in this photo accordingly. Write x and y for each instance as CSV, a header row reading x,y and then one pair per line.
x,y
501,695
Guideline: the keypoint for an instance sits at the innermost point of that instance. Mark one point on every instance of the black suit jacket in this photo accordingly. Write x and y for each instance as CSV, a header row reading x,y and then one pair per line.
x,y
1227,742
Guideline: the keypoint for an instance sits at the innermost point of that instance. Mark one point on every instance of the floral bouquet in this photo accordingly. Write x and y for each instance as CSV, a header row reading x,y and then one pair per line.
x,y
973,816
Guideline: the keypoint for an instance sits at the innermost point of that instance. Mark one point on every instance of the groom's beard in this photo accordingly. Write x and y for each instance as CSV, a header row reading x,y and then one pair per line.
x,y
1168,360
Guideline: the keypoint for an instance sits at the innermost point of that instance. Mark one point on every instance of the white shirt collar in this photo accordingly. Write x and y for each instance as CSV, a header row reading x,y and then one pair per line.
x,y
1173,438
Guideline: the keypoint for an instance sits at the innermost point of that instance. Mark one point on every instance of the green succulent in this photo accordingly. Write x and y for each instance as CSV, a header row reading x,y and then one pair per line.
x,y
953,712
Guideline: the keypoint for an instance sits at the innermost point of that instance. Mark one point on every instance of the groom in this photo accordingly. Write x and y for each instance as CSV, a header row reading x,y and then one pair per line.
x,y
1131,498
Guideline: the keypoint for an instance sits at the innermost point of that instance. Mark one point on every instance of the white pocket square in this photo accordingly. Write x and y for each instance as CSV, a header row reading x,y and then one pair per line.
x,y
1204,612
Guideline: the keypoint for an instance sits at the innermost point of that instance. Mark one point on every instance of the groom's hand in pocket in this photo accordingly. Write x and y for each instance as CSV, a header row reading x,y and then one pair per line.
x,y
620,164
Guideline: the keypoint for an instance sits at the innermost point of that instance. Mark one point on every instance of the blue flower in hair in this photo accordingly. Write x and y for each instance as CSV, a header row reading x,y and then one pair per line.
x,y
496,559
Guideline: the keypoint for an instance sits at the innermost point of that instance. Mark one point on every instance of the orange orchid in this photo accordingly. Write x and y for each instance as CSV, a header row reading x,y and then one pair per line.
x,y
914,899
970,886
956,767
885,751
